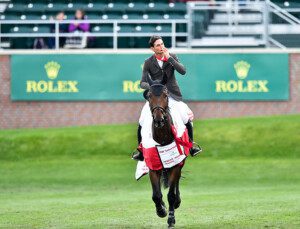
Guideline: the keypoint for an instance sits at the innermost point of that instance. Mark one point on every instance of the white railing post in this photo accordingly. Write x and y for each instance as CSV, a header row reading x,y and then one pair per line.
x,y
189,25
56,34
236,13
115,35
229,14
266,20
173,34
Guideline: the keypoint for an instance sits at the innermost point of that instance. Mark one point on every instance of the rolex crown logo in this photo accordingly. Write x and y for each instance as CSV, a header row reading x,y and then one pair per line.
x,y
52,69
242,69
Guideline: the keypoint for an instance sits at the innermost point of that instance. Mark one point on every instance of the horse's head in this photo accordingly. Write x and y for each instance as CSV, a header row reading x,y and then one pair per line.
x,y
158,100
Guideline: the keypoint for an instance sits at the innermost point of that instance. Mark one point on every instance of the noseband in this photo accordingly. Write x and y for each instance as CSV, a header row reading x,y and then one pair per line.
x,y
157,91
163,110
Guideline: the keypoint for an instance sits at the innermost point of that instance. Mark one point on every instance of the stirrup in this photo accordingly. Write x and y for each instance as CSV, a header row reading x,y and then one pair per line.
x,y
137,155
196,149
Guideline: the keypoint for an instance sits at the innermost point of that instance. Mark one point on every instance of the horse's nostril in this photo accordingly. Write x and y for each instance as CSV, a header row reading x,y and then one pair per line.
x,y
159,123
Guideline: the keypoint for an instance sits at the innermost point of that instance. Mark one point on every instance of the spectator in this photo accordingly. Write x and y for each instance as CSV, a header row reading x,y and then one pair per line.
x,y
63,28
78,27
39,43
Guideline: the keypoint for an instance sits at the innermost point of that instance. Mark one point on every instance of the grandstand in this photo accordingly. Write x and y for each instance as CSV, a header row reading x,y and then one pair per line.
x,y
129,23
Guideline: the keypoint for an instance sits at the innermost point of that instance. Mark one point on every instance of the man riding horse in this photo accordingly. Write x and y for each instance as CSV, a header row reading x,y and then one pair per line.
x,y
160,64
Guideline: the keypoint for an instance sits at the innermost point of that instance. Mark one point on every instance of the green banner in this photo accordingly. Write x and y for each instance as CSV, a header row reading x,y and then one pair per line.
x,y
76,77
236,77
115,77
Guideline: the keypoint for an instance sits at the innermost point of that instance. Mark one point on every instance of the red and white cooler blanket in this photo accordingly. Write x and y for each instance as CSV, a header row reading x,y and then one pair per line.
x,y
158,157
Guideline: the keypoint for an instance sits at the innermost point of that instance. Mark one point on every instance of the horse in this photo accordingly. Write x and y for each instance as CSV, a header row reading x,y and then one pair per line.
x,y
162,134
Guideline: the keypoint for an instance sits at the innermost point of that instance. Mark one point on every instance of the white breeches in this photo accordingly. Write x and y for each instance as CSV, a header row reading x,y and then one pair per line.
x,y
184,111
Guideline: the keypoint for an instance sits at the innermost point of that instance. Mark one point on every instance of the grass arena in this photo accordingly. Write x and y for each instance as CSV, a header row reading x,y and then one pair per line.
x,y
248,177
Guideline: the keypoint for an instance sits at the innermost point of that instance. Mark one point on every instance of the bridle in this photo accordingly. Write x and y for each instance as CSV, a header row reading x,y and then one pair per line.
x,y
160,124
165,113
163,110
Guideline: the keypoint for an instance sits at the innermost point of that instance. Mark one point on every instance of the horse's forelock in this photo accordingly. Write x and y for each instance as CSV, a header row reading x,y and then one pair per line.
x,y
157,89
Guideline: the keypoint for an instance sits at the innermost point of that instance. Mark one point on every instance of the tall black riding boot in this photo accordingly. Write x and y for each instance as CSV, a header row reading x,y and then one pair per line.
x,y
196,148
138,153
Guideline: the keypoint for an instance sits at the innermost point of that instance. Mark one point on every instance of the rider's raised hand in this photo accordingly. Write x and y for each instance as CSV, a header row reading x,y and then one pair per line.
x,y
166,53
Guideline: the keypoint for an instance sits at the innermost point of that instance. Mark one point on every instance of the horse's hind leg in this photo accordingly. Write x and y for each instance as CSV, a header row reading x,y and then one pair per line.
x,y
173,180
156,194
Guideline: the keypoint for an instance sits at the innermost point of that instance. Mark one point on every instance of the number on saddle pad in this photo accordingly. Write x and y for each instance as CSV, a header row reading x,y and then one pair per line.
x,y
170,155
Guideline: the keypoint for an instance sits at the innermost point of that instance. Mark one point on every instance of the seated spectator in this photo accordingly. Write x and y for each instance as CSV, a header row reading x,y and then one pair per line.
x,y
39,43
63,28
78,27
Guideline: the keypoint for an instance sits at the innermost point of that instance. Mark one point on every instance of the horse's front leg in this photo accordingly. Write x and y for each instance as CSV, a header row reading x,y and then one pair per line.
x,y
178,199
173,180
156,193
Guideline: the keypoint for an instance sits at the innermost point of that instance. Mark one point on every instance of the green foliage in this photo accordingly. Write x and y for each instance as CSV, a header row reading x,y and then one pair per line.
x,y
268,137
276,136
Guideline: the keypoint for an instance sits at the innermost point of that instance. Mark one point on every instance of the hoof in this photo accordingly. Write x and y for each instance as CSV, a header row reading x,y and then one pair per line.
x,y
162,212
171,222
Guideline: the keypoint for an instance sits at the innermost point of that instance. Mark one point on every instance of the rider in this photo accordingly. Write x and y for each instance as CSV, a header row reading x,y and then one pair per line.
x,y
163,62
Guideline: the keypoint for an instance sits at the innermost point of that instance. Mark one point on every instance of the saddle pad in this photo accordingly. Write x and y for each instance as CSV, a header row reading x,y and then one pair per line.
x,y
170,155
153,160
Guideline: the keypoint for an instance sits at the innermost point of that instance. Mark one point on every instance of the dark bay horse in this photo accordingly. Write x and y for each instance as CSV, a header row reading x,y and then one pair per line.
x,y
162,134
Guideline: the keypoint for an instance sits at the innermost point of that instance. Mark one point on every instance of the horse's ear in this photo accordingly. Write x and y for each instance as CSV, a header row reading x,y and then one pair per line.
x,y
146,94
149,79
165,79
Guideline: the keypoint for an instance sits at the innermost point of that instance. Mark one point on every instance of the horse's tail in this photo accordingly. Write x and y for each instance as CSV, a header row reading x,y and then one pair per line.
x,y
165,178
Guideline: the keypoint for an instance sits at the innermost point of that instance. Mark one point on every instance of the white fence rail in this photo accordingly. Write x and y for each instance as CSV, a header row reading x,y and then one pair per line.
x,y
115,33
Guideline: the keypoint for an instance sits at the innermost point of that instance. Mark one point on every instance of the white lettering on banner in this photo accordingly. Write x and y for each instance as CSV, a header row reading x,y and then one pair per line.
x,y
169,155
